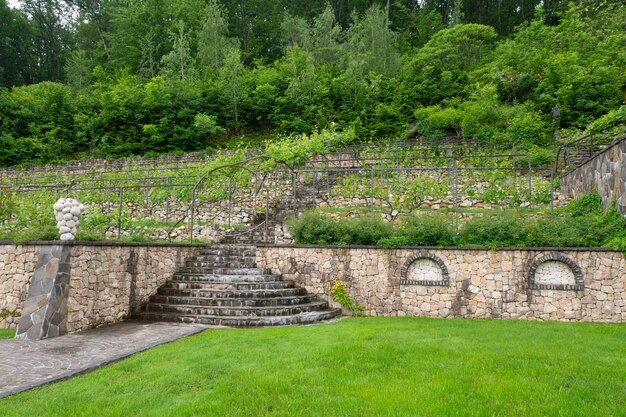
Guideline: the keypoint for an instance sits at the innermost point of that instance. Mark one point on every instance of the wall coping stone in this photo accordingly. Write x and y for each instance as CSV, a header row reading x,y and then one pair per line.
x,y
107,244
444,248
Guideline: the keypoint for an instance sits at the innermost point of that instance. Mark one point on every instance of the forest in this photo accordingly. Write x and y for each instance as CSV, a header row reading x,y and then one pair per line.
x,y
116,78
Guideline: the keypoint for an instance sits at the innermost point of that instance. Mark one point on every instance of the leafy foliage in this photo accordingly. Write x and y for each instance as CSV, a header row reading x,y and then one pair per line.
x,y
506,229
148,77
339,292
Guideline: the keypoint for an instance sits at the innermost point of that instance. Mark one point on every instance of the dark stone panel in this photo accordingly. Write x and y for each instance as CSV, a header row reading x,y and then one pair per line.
x,y
46,306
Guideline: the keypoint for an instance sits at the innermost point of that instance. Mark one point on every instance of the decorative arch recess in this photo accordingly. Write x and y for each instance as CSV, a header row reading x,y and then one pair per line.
x,y
578,275
404,279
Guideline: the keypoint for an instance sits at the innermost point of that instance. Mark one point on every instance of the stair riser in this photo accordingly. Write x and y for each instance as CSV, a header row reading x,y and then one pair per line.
x,y
224,278
234,302
243,321
286,292
232,271
204,266
233,286
222,258
221,264
236,312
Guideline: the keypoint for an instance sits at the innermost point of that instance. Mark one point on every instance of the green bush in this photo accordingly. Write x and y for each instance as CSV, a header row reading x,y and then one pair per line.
x,y
426,231
493,231
585,205
497,230
313,228
362,231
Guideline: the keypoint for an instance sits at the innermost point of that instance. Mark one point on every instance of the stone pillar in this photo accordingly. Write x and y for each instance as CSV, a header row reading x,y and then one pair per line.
x,y
45,310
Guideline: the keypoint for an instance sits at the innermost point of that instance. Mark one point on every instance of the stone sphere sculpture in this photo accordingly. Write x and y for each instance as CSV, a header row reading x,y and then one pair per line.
x,y
68,213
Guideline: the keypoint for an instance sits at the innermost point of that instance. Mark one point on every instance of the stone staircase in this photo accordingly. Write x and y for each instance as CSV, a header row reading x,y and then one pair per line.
x,y
307,195
222,286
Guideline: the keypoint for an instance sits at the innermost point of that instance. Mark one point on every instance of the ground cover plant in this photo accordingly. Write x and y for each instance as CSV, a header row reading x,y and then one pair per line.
x,y
358,367
7,333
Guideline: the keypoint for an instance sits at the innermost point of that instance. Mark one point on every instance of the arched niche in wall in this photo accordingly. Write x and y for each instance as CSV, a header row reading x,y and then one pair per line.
x,y
423,268
555,272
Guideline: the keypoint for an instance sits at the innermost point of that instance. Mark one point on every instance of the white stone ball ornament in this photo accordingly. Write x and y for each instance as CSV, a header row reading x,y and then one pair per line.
x,y
68,212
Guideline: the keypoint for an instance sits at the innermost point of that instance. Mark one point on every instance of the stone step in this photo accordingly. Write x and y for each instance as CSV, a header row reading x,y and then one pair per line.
x,y
206,266
202,277
220,264
222,258
204,293
223,254
239,251
235,271
217,286
235,302
246,311
234,321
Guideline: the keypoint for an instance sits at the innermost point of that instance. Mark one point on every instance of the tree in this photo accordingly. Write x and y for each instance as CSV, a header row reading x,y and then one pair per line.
x,y
178,63
51,37
213,41
77,70
371,43
295,32
325,38
15,48
149,64
231,79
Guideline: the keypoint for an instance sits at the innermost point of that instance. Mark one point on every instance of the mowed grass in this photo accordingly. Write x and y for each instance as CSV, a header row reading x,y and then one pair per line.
x,y
7,333
358,367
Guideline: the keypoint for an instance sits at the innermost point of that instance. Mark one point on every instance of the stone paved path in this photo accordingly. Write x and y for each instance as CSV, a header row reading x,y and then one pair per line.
x,y
26,364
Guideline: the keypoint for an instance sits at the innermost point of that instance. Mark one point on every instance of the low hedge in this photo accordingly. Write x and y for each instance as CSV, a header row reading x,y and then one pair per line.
x,y
577,226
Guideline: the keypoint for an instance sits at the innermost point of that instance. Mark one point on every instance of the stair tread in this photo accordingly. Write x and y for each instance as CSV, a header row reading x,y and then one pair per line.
x,y
278,320
311,304
284,297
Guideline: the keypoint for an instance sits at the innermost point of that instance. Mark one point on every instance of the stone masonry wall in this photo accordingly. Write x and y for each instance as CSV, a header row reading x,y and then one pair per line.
x,y
107,281
531,284
604,174
17,264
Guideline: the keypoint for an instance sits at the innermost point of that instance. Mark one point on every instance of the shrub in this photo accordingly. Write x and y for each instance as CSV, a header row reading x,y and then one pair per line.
x,y
493,231
426,231
585,205
313,228
363,231
498,230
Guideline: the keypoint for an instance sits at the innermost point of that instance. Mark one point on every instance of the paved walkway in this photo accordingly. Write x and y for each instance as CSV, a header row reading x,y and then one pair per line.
x,y
26,364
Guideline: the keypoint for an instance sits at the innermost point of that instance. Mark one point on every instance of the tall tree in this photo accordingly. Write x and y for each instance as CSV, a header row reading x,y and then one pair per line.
x,y
77,70
178,63
15,47
371,42
50,20
233,89
325,37
213,41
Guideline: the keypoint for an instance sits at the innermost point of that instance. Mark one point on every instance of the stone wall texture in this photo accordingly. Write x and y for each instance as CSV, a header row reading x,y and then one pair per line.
x,y
605,174
107,282
17,264
530,284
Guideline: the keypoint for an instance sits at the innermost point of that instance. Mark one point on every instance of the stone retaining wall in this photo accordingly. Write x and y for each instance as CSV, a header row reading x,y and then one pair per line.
x,y
17,264
605,174
107,281
533,284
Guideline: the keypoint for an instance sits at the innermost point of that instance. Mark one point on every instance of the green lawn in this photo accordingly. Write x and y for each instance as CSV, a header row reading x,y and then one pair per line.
x,y
7,333
359,367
